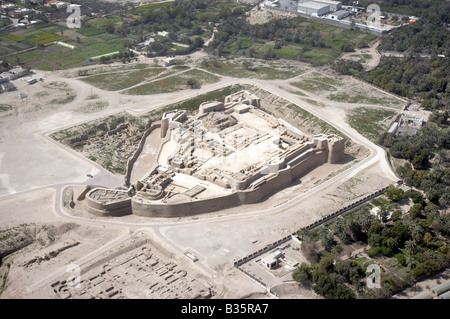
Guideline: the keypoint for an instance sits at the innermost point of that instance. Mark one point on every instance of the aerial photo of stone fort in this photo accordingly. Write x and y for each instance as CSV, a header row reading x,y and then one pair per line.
x,y
219,149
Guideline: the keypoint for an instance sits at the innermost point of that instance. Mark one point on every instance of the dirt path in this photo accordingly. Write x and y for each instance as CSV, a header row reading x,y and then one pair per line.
x,y
370,63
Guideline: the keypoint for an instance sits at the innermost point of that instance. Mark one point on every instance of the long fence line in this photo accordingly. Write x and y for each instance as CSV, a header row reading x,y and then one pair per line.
x,y
317,223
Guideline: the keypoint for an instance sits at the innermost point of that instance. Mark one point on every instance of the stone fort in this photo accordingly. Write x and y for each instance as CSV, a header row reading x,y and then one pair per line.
x,y
227,154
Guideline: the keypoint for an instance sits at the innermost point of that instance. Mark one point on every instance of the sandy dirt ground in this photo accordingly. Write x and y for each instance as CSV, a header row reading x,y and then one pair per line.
x,y
34,173
425,285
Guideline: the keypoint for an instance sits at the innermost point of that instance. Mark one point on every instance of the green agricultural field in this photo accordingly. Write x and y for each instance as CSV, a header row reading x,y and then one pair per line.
x,y
13,37
46,38
88,32
88,42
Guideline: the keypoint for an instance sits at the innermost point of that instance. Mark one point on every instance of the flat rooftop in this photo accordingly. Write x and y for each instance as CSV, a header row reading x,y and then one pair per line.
x,y
313,5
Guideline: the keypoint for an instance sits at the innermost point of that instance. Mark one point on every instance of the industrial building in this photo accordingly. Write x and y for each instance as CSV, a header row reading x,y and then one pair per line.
x,y
318,7
334,5
313,8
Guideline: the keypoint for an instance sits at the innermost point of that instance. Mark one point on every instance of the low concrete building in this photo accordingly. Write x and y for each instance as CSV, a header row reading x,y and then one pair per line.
x,y
168,62
409,124
339,15
14,73
271,261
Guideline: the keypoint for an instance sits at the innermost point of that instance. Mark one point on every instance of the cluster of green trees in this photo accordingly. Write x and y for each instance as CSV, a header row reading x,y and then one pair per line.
x,y
433,140
280,31
180,17
418,241
184,20
164,46
331,279
414,76
123,56
347,67
434,183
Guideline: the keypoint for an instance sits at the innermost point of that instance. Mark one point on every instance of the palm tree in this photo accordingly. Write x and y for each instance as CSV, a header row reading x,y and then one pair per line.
x,y
411,246
391,243
411,262
444,200
427,238
302,233
442,261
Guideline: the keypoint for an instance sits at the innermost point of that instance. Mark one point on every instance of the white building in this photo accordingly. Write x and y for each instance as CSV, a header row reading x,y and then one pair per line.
x,y
313,8
271,261
168,62
339,15
334,5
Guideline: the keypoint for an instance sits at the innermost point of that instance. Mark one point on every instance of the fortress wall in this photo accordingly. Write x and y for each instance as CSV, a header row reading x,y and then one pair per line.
x,y
111,213
109,206
136,154
274,183
241,185
300,150
336,151
281,180
116,208
186,208
307,164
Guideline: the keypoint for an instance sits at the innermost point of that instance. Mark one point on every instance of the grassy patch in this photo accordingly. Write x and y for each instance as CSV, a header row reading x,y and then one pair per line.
x,y
259,72
194,103
94,106
371,123
318,125
5,107
173,83
121,80
360,98
313,86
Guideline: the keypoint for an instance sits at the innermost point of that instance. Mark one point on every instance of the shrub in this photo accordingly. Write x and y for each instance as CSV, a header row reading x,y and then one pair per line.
x,y
394,194
401,259
386,251
373,251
